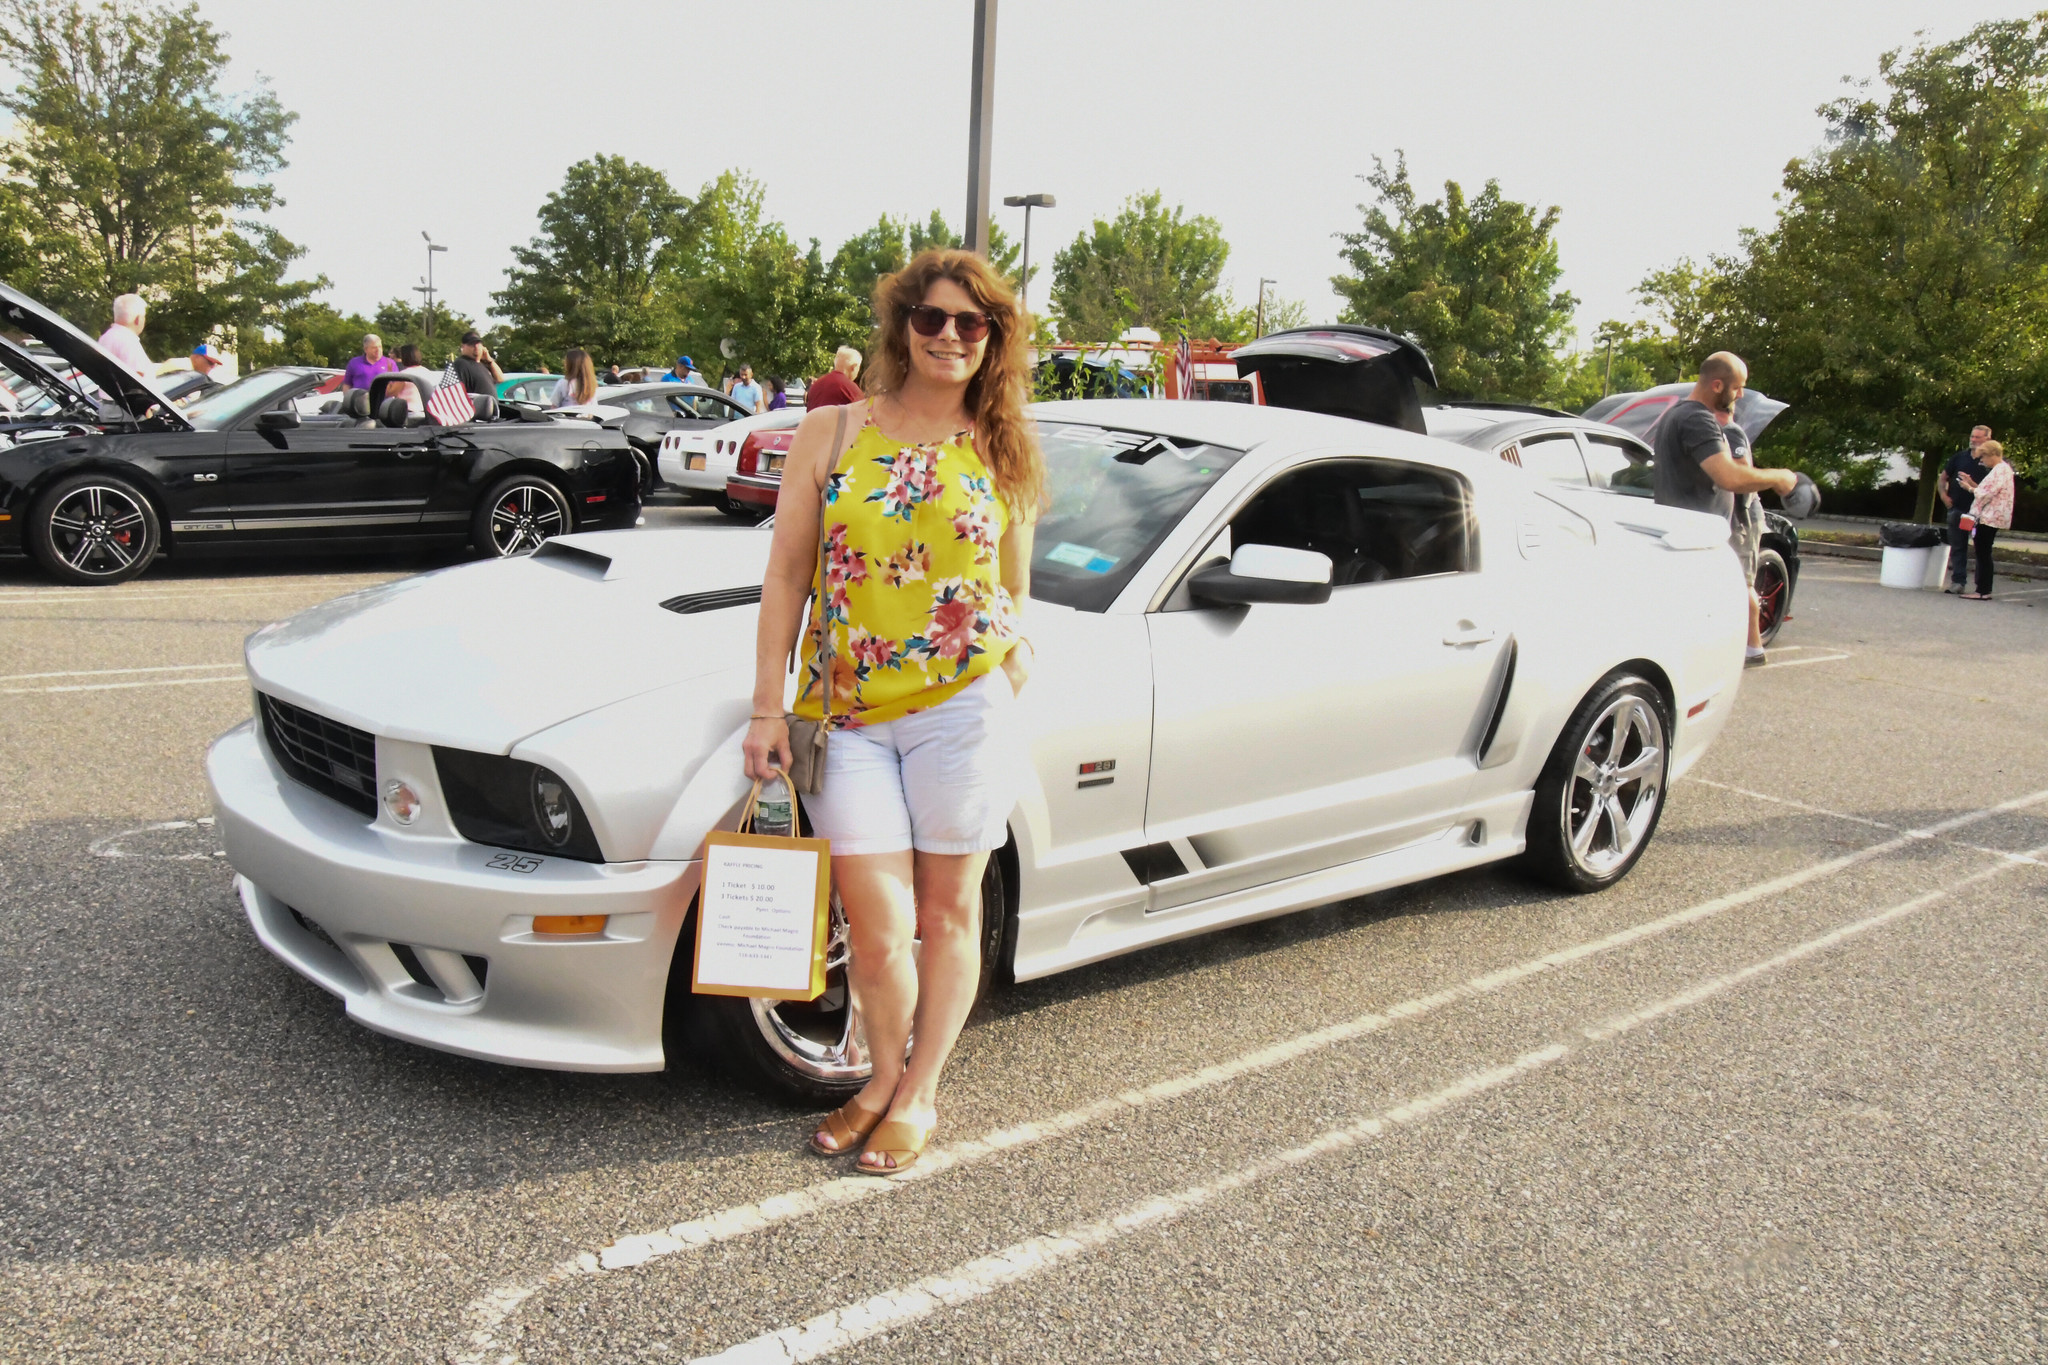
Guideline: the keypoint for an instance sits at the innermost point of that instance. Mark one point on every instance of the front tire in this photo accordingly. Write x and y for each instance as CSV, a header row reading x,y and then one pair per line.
x,y
519,514
816,1051
95,529
1602,792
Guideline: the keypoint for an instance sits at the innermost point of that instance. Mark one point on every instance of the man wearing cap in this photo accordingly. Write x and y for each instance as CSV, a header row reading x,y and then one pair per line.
x,y
475,368
206,358
1694,467
684,372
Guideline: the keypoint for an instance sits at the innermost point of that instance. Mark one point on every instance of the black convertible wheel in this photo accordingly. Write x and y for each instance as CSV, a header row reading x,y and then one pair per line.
x,y
93,528
1773,592
1601,793
814,1051
520,513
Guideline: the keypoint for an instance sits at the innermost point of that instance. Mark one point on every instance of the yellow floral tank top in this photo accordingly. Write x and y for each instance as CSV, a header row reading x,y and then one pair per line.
x,y
912,592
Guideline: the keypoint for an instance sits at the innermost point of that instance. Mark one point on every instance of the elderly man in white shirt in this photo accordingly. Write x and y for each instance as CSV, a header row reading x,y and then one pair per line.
x,y
123,340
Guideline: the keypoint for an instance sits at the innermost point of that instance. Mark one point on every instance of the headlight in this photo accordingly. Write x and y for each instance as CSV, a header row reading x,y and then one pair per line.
x,y
510,803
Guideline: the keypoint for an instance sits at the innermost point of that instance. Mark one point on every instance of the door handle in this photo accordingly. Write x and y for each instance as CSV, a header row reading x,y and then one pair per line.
x,y
1469,634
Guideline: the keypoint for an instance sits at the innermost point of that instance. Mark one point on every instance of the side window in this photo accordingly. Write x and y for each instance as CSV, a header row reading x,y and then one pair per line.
x,y
646,402
1618,463
1554,457
1375,519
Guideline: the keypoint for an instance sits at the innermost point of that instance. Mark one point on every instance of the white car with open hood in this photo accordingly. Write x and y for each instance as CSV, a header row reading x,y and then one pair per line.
x,y
1282,658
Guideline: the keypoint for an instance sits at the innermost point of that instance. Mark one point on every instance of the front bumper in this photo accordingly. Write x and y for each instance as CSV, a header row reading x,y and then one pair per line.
x,y
363,891
755,490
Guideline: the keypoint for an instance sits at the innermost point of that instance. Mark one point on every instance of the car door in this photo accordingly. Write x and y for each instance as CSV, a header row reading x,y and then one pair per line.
x,y
1291,738
294,477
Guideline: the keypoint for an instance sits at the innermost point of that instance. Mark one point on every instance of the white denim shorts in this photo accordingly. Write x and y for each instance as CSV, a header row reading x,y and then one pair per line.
x,y
938,781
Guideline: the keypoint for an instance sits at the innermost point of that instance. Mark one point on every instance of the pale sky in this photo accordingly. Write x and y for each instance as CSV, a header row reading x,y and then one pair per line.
x,y
459,116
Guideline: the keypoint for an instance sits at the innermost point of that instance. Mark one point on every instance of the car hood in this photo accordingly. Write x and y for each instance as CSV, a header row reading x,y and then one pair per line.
x,y
135,396
1343,370
483,655
1639,413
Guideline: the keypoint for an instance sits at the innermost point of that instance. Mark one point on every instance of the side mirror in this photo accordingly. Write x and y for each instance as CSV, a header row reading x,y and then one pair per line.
x,y
277,419
1264,573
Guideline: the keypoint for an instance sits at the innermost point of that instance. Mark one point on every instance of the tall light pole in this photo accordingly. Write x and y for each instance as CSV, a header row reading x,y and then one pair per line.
x,y
1259,327
1027,202
428,287
981,118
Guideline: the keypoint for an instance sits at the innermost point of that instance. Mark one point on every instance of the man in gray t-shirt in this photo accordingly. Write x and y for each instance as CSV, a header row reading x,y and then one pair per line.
x,y
1694,467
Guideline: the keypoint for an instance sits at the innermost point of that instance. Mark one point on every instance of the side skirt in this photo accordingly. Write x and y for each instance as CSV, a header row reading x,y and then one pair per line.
x,y
1111,933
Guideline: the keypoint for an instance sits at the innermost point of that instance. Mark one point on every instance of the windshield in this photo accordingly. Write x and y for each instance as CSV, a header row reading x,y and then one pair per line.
x,y
1112,497
226,406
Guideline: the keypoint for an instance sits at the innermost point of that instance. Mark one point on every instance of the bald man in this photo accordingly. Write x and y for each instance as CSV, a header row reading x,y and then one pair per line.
x,y
1696,469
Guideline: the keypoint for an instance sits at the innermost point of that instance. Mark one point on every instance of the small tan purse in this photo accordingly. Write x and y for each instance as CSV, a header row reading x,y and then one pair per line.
x,y
807,738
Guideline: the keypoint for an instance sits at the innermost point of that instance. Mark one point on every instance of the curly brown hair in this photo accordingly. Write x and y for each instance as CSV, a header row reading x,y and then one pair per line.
x,y
1003,436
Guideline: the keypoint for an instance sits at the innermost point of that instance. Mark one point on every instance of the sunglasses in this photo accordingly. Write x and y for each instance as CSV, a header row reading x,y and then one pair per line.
x,y
928,321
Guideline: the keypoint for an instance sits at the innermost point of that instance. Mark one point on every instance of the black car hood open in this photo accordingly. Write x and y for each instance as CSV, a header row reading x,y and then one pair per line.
x,y
20,313
1344,370
1638,414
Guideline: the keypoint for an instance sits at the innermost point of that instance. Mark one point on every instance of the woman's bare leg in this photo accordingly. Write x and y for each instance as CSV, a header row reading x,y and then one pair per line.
x,y
948,887
876,889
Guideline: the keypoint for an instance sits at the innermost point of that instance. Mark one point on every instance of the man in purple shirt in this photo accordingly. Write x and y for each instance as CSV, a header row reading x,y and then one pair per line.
x,y
372,362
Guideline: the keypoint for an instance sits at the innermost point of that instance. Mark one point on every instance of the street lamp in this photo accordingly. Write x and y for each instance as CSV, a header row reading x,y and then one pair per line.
x,y
1027,202
1259,327
428,287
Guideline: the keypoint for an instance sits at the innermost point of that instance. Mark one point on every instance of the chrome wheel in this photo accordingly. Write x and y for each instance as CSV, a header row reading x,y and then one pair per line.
x,y
523,515
99,530
820,1039
1616,785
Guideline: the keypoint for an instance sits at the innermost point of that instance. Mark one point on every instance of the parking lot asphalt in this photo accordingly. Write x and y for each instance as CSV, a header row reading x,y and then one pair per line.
x,y
1779,1095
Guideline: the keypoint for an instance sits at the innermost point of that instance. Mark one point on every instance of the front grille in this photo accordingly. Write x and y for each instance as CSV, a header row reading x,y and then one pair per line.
x,y
333,759
689,604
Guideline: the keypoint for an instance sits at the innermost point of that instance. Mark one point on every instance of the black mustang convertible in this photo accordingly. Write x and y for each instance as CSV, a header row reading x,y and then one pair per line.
x,y
95,487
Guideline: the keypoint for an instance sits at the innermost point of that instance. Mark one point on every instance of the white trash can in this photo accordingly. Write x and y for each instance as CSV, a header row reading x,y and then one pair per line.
x,y
1912,569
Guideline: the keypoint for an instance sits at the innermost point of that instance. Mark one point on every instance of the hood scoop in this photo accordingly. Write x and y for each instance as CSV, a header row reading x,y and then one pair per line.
x,y
690,603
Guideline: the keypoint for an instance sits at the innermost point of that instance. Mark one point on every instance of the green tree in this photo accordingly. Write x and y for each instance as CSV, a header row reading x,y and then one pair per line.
x,y
887,246
1475,282
132,167
1147,267
1899,298
597,276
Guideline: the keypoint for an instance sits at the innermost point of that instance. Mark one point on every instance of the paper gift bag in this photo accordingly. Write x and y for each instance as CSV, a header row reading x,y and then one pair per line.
x,y
763,916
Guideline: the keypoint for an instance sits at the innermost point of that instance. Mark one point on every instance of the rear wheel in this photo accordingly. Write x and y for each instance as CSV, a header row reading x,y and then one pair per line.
x,y
1601,793
1773,592
520,513
814,1051
95,528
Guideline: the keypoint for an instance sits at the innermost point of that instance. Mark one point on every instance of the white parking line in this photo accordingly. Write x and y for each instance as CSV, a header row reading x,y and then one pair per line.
x,y
236,677
127,599
1801,663
1843,815
492,1310
109,672
853,1323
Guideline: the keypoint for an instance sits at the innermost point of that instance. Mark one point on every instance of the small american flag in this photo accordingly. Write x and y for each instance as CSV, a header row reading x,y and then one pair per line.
x,y
451,405
1183,369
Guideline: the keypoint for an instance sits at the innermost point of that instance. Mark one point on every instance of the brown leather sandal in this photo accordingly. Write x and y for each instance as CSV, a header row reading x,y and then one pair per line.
x,y
902,1143
847,1125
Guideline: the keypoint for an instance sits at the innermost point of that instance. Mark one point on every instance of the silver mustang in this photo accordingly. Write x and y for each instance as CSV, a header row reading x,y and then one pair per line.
x,y
1283,658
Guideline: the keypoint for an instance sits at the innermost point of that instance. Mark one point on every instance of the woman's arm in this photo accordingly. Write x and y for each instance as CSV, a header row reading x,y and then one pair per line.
x,y
792,560
1013,556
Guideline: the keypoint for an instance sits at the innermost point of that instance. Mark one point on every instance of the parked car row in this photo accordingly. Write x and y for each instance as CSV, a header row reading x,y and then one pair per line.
x,y
95,491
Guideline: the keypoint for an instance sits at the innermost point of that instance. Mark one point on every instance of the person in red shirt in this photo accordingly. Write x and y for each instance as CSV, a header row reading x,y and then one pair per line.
x,y
836,385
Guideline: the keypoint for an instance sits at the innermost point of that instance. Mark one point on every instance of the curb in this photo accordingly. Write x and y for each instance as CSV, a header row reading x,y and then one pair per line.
x,y
2027,567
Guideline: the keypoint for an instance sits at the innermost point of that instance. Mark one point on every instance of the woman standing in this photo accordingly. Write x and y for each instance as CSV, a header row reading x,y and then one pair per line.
x,y
777,399
578,383
1991,505
924,510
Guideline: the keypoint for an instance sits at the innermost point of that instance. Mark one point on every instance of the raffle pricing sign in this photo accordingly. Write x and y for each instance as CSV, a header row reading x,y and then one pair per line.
x,y
763,917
